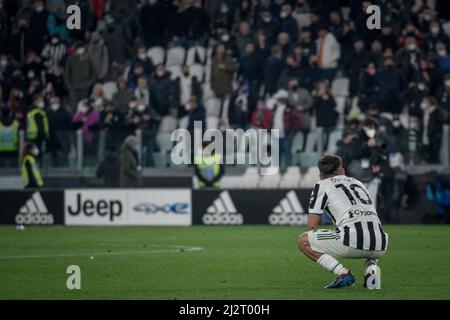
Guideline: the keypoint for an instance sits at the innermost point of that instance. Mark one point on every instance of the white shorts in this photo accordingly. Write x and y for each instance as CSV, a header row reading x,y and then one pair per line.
x,y
330,242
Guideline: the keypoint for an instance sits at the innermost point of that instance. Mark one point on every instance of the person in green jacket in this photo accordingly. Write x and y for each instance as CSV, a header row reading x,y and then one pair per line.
x,y
31,175
37,123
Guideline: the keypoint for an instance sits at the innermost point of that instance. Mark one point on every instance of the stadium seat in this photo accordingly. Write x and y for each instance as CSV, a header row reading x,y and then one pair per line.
x,y
198,71
183,123
212,107
168,124
157,54
333,140
310,156
207,91
175,71
109,89
291,178
297,146
164,141
208,73
212,122
340,87
175,56
250,179
231,182
196,55
270,182
310,178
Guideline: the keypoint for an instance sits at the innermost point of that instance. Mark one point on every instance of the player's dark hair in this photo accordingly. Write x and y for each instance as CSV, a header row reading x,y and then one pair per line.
x,y
329,165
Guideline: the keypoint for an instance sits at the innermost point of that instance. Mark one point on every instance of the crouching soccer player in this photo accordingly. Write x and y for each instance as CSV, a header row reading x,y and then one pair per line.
x,y
358,233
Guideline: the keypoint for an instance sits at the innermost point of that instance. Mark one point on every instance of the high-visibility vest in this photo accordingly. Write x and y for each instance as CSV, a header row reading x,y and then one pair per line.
x,y
9,137
209,168
32,128
34,171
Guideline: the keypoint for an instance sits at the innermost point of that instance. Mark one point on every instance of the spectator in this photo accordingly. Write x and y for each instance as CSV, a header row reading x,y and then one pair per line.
x,y
444,57
153,19
54,52
31,175
130,176
443,94
97,96
273,69
390,81
142,91
301,99
185,87
143,60
38,26
243,37
80,75
194,23
122,97
433,117
60,126
112,122
37,123
239,110
355,62
196,113
288,24
325,109
109,169
9,138
56,22
367,88
328,53
98,53
268,24
161,91
88,119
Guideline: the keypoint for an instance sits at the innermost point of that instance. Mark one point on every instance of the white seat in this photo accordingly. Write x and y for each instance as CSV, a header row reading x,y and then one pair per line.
x,y
109,89
310,178
333,140
207,91
212,123
198,71
340,87
175,72
208,73
196,54
157,54
183,123
250,179
291,178
270,182
175,56
168,124
231,182
164,141
212,107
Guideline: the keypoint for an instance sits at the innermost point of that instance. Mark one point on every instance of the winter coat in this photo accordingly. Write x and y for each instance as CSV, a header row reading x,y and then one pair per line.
x,y
161,93
129,173
79,73
221,80
302,99
326,114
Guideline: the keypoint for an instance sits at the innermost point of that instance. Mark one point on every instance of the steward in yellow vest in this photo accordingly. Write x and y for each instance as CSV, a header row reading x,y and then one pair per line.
x,y
209,170
9,135
37,122
31,176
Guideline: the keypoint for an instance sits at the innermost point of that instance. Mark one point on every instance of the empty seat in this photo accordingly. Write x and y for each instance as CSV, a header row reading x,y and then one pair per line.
x,y
446,27
183,123
157,54
310,156
212,123
207,91
212,107
297,146
270,182
310,178
175,56
168,124
333,140
250,179
291,178
175,71
196,54
164,141
231,182
198,71
340,87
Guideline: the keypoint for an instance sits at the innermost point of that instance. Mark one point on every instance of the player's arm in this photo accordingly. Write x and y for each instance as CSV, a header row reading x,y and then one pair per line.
x,y
317,204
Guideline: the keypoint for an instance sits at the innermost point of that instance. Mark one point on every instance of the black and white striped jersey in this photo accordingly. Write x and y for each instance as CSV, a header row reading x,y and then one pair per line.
x,y
352,210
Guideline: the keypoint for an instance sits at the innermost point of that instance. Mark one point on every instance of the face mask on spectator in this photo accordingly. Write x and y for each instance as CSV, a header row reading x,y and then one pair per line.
x,y
40,8
447,83
142,56
41,105
55,107
372,71
83,109
267,19
414,126
225,37
423,106
412,47
141,107
35,152
55,41
421,86
160,73
224,9
81,51
442,53
370,132
283,14
132,105
435,30
4,63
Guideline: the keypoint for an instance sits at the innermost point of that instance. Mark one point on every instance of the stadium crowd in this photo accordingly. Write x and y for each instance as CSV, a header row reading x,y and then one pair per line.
x,y
267,64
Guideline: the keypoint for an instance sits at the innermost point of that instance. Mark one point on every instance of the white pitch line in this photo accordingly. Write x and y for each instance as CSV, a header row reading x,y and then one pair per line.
x,y
112,253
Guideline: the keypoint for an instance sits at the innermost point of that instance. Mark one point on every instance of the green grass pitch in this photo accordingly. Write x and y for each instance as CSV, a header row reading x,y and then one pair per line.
x,y
249,262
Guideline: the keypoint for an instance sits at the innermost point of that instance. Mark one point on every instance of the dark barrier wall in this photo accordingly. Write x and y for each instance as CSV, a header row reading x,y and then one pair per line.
x,y
236,207
32,207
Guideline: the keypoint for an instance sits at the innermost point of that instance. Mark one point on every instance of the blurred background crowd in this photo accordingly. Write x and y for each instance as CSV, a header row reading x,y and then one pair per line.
x,y
312,69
